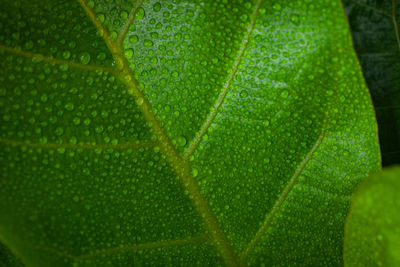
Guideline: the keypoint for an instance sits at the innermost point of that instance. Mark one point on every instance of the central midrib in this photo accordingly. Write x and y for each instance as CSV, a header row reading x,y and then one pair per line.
x,y
181,165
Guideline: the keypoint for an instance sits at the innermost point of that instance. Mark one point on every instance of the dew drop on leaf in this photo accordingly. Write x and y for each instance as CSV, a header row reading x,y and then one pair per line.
x,y
277,7
69,106
285,93
295,19
101,56
157,7
148,43
84,58
140,14
129,53
66,54
181,141
133,39
124,15
140,101
29,45
59,131
244,94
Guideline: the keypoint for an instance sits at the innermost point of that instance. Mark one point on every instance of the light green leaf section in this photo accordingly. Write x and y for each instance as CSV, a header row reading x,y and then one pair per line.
x,y
372,234
179,133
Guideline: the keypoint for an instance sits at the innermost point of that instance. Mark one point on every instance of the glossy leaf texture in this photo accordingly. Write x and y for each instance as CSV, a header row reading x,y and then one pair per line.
x,y
180,133
375,28
373,224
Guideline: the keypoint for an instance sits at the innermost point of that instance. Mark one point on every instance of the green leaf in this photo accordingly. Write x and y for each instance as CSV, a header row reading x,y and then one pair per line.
x,y
373,224
7,258
375,28
179,132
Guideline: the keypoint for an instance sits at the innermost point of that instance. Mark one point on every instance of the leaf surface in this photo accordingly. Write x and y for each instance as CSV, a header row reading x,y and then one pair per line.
x,y
375,28
179,132
373,224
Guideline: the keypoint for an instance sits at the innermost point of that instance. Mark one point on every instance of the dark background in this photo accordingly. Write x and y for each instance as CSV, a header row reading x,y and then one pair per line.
x,y
377,43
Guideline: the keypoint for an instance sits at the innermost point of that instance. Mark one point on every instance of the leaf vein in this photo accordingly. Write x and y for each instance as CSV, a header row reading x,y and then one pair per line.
x,y
268,219
211,116
177,162
129,22
40,57
134,145
396,28
152,245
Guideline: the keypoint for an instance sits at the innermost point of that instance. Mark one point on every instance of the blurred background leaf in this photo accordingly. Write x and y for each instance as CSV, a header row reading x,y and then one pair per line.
x,y
375,29
372,232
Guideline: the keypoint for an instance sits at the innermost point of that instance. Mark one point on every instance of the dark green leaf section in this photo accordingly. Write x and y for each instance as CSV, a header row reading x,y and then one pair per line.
x,y
375,28
47,103
56,29
262,104
373,224
7,258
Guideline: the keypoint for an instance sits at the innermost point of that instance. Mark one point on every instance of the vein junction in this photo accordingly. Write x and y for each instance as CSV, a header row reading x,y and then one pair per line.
x,y
203,130
178,163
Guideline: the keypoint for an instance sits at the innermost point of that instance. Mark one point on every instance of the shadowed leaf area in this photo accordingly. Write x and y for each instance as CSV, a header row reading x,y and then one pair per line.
x,y
179,133
375,28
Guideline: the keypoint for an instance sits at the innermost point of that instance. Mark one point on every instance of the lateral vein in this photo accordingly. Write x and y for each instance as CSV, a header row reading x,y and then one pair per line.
x,y
268,219
129,22
396,28
40,57
151,245
177,162
210,118
134,145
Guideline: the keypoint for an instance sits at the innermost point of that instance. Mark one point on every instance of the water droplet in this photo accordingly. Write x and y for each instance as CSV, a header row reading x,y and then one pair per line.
x,y
244,94
66,54
148,43
124,15
29,45
114,141
76,120
157,7
133,39
277,7
59,131
64,67
128,53
140,14
73,140
285,93
101,56
140,101
295,19
84,58
99,129
181,141
69,106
